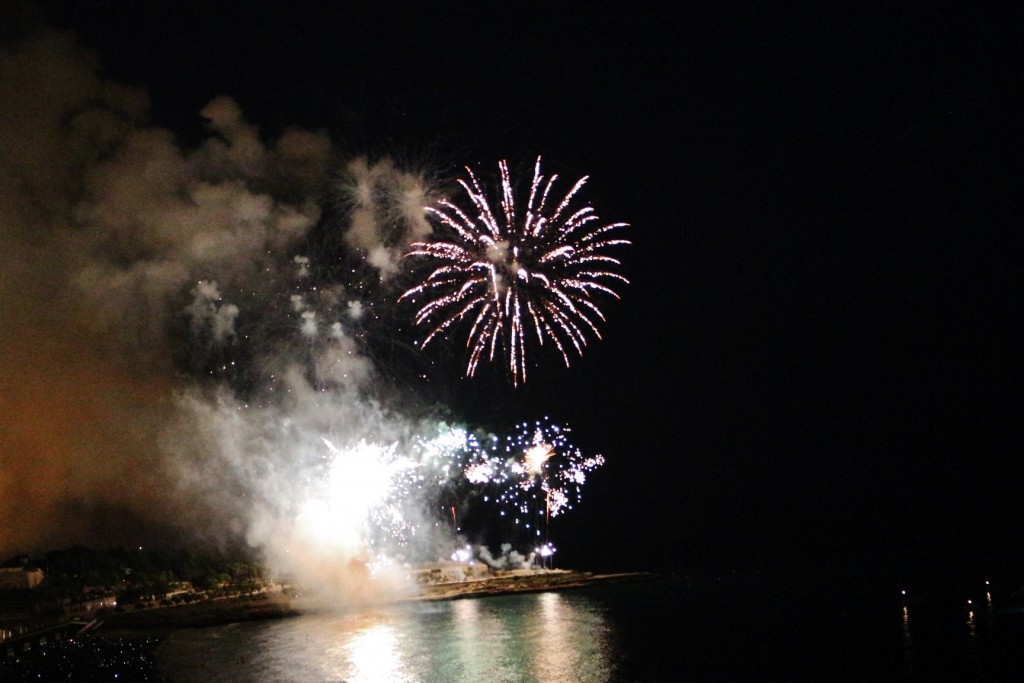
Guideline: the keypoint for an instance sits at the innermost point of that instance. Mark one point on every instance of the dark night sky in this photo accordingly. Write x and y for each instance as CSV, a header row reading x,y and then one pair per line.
x,y
818,356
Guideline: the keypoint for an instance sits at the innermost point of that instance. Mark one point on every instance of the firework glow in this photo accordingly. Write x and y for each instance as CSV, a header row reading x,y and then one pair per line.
x,y
518,273
229,354
535,458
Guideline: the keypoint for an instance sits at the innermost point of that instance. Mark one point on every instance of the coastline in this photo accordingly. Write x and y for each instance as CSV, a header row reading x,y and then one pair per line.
x,y
550,580
281,606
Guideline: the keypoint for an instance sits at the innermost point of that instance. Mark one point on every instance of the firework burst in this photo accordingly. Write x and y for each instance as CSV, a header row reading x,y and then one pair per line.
x,y
520,272
533,474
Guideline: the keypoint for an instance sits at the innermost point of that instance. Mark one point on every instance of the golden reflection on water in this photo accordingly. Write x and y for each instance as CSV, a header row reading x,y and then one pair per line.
x,y
556,657
546,637
908,638
374,655
556,638
362,648
482,640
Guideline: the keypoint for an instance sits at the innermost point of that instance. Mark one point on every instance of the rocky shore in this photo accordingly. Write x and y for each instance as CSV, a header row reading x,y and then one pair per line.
x,y
533,582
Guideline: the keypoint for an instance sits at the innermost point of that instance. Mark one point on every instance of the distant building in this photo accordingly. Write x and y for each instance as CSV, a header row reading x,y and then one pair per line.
x,y
14,578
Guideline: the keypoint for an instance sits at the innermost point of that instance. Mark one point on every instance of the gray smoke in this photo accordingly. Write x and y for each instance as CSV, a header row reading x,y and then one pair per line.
x,y
168,361
508,559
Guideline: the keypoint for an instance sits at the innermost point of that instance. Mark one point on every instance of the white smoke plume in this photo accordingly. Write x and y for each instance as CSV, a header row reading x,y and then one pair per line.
x,y
166,357
508,559
206,313
386,208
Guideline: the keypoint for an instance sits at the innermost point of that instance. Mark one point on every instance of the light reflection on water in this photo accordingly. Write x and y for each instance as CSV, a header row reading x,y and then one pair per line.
x,y
372,654
744,629
540,637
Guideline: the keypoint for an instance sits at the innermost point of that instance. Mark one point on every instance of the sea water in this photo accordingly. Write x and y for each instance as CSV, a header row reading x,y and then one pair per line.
x,y
719,629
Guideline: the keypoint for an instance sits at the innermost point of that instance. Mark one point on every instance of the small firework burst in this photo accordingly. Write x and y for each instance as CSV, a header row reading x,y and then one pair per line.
x,y
533,474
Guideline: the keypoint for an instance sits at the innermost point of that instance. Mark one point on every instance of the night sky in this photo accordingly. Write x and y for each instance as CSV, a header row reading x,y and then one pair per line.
x,y
817,361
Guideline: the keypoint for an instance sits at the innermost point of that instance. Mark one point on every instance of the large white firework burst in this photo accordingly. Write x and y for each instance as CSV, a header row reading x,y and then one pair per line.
x,y
522,272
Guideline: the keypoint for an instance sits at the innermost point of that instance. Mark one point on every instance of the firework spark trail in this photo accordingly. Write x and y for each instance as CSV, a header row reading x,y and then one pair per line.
x,y
533,273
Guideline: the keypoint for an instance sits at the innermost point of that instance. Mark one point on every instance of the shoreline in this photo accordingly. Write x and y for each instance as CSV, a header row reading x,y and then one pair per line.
x,y
281,606
551,580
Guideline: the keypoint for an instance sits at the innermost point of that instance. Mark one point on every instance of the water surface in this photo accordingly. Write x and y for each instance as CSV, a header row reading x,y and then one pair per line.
x,y
732,628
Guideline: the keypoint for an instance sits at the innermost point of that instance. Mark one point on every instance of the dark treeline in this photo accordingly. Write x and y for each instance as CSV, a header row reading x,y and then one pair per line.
x,y
81,573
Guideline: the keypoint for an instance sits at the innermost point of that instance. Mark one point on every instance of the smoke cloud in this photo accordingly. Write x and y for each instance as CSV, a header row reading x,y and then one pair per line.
x,y
169,362
386,209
